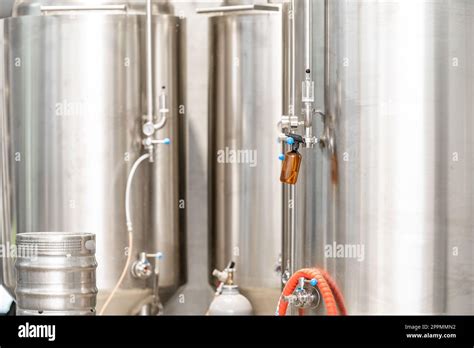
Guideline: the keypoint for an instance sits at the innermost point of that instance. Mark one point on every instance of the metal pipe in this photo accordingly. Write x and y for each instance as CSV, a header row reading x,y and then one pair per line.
x,y
290,211
236,8
292,59
308,84
292,228
149,62
308,34
83,8
289,194
326,55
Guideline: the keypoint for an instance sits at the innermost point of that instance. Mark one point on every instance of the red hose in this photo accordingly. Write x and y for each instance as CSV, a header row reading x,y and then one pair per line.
x,y
337,293
331,295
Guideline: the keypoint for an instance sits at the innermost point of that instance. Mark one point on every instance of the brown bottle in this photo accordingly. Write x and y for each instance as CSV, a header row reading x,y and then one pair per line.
x,y
290,168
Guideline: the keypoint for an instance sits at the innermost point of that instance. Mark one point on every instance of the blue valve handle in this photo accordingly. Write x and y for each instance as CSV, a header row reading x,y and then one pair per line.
x,y
290,141
281,157
166,141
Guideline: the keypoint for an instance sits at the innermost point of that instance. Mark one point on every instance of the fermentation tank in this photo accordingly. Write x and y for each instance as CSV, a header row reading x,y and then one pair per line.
x,y
397,195
72,102
245,194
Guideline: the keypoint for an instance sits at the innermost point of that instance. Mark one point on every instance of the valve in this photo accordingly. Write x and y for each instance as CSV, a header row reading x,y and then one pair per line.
x,y
227,298
305,295
141,268
150,127
225,277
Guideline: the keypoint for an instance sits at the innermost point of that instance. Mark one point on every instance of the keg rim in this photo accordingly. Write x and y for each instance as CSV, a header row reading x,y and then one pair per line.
x,y
57,243
55,233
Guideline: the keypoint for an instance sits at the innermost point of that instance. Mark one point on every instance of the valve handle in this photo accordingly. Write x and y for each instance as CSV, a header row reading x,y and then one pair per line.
x,y
158,255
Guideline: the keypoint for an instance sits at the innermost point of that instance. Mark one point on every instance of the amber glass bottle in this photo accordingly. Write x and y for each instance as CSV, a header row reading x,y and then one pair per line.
x,y
291,167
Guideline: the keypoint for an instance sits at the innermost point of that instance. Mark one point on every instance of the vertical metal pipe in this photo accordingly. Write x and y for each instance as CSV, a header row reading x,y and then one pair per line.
x,y
292,58
308,54
308,34
291,204
149,62
289,192
292,228
326,54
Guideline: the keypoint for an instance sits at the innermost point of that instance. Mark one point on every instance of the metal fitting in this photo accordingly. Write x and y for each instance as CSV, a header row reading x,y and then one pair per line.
x,y
141,268
226,276
288,122
306,295
310,141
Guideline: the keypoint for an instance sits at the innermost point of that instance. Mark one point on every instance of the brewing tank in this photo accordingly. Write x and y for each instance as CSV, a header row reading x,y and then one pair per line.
x,y
73,98
392,218
245,194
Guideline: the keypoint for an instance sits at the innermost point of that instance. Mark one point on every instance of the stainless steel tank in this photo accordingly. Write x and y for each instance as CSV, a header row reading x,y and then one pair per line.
x,y
245,194
71,115
397,189
6,8
56,274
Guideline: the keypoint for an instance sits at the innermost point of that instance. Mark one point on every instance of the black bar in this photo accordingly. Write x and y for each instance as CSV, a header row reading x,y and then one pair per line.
x,y
350,330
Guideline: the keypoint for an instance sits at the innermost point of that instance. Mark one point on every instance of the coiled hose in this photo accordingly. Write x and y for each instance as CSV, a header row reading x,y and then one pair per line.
x,y
332,296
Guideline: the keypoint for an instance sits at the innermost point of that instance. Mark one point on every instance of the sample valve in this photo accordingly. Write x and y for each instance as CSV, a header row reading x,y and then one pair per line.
x,y
150,127
305,295
142,269
292,159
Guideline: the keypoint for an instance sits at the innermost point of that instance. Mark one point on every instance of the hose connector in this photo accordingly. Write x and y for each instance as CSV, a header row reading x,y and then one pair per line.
x,y
305,294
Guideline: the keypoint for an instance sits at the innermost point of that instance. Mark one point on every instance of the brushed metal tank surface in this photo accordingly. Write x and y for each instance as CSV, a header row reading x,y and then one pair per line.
x,y
397,176
6,7
72,105
245,194
56,274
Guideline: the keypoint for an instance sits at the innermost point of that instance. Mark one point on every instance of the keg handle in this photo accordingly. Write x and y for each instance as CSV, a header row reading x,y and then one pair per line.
x,y
237,8
59,8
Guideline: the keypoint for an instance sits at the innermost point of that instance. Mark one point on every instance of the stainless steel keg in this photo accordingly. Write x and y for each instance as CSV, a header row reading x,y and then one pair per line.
x,y
56,273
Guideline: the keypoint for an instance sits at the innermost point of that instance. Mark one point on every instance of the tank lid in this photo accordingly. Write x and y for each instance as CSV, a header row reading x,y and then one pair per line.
x,y
61,7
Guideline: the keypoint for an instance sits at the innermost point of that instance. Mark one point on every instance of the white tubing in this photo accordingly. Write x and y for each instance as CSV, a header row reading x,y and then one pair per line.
x,y
128,215
128,219
122,276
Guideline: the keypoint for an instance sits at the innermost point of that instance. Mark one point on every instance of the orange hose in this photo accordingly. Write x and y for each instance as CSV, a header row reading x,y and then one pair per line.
x,y
335,290
323,286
